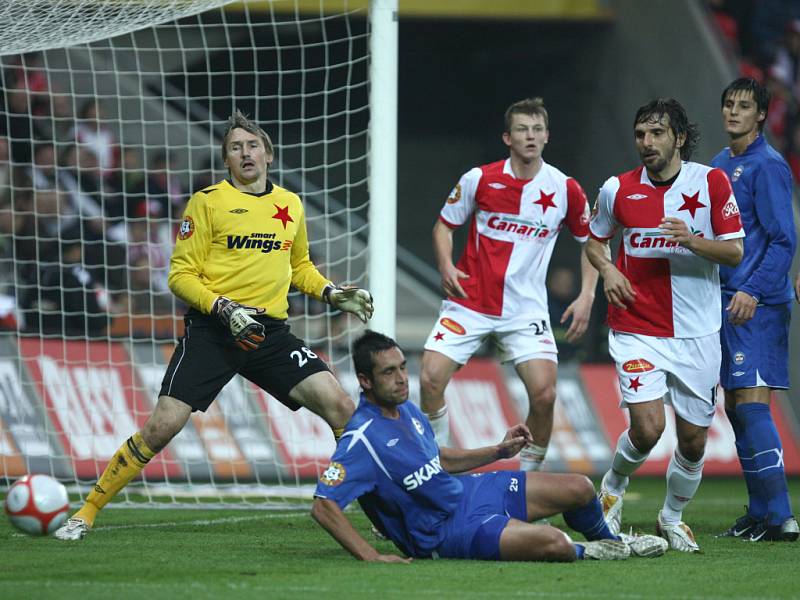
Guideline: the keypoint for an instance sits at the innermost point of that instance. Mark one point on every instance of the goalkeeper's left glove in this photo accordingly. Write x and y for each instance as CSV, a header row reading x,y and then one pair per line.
x,y
350,299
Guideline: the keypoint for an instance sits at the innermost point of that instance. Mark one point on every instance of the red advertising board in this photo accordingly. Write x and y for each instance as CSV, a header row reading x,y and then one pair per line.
x,y
480,408
304,440
602,386
92,400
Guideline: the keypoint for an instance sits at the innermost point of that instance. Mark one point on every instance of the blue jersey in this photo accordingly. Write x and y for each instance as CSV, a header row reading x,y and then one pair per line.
x,y
762,185
392,467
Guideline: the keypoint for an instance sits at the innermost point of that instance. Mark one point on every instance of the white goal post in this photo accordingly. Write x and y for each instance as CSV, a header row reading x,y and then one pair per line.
x,y
110,116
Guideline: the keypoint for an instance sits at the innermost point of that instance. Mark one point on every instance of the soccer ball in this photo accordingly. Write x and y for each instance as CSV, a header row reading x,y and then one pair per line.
x,y
37,504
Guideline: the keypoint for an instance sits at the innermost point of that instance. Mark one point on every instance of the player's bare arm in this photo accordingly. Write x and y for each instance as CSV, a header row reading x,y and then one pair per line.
x,y
581,308
443,251
328,514
457,460
725,252
618,290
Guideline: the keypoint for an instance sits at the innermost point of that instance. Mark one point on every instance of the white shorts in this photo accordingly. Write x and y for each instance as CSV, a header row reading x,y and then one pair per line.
x,y
683,371
459,331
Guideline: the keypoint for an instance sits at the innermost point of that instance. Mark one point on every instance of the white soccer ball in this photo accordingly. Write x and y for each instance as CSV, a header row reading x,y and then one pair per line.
x,y
37,504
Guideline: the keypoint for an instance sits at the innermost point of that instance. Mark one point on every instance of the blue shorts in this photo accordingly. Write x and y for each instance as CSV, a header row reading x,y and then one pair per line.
x,y
756,354
489,501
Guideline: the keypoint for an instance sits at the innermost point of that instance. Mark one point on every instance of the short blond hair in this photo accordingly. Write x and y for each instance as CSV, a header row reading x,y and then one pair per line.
x,y
238,120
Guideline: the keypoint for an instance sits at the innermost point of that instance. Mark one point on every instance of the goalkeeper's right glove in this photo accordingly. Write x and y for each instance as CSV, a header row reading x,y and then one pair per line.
x,y
350,299
247,332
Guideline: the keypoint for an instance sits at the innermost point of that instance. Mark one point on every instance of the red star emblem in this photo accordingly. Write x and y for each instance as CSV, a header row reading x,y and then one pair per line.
x,y
545,200
691,203
282,215
635,384
438,337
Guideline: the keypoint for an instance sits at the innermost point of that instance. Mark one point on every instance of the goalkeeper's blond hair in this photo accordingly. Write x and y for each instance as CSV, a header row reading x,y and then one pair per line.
x,y
238,120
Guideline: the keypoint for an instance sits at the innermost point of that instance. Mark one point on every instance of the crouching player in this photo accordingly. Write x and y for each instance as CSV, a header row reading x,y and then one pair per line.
x,y
388,459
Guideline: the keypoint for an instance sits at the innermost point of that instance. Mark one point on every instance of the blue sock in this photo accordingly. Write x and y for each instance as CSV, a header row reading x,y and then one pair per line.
x,y
589,521
579,550
757,499
762,437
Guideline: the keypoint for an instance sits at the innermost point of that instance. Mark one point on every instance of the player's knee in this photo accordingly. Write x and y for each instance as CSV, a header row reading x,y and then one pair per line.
x,y
583,489
646,435
432,381
692,449
544,396
558,547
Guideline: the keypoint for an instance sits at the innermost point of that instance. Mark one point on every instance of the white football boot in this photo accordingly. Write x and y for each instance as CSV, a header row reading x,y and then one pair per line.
x,y
680,536
643,545
73,529
612,508
605,550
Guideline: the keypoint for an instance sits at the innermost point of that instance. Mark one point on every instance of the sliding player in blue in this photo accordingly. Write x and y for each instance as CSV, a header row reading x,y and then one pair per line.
x,y
757,303
388,459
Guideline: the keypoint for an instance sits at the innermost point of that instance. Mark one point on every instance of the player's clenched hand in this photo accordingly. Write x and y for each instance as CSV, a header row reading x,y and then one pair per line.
x,y
450,282
677,230
247,332
579,310
515,440
348,298
619,291
741,308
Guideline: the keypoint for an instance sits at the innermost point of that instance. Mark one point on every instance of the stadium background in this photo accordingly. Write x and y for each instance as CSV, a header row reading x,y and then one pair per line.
x,y
461,64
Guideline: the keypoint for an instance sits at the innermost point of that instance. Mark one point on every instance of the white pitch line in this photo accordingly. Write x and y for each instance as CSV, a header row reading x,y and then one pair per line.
x,y
223,520
167,524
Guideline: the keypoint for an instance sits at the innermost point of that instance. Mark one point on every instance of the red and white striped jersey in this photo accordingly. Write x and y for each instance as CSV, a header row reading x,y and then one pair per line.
x,y
677,292
514,227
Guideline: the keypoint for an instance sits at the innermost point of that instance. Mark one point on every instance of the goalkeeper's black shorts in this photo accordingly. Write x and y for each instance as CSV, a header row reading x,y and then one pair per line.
x,y
207,357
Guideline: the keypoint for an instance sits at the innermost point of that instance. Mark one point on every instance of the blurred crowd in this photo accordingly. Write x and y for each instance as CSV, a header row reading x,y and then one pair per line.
x,y
85,229
765,37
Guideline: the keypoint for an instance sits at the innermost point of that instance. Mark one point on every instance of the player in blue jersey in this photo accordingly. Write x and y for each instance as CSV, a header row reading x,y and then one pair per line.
x,y
388,459
757,302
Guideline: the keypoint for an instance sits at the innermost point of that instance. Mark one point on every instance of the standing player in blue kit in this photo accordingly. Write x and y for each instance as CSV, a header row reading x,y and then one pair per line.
x,y
757,302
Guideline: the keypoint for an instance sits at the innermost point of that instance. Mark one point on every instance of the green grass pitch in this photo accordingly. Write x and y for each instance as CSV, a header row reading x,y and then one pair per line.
x,y
141,553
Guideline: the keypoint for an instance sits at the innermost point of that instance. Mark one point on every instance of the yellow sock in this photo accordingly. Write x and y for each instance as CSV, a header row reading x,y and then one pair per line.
x,y
337,433
126,464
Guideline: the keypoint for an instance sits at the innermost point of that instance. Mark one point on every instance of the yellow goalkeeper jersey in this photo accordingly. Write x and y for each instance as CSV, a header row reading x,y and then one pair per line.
x,y
248,247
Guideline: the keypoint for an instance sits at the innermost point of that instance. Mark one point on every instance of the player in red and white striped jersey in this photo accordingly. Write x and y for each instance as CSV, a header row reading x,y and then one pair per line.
x,y
516,207
679,220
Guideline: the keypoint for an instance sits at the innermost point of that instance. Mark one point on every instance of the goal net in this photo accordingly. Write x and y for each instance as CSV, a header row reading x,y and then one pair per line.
x,y
111,115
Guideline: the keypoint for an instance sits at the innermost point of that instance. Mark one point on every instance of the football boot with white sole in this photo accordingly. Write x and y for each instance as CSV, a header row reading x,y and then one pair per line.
x,y
679,536
605,550
73,529
612,508
644,545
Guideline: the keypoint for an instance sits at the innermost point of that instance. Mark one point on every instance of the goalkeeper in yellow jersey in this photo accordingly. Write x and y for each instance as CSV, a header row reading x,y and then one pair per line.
x,y
242,243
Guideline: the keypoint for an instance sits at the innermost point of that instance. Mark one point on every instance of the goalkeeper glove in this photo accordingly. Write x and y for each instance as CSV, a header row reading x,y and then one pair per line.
x,y
350,299
247,332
